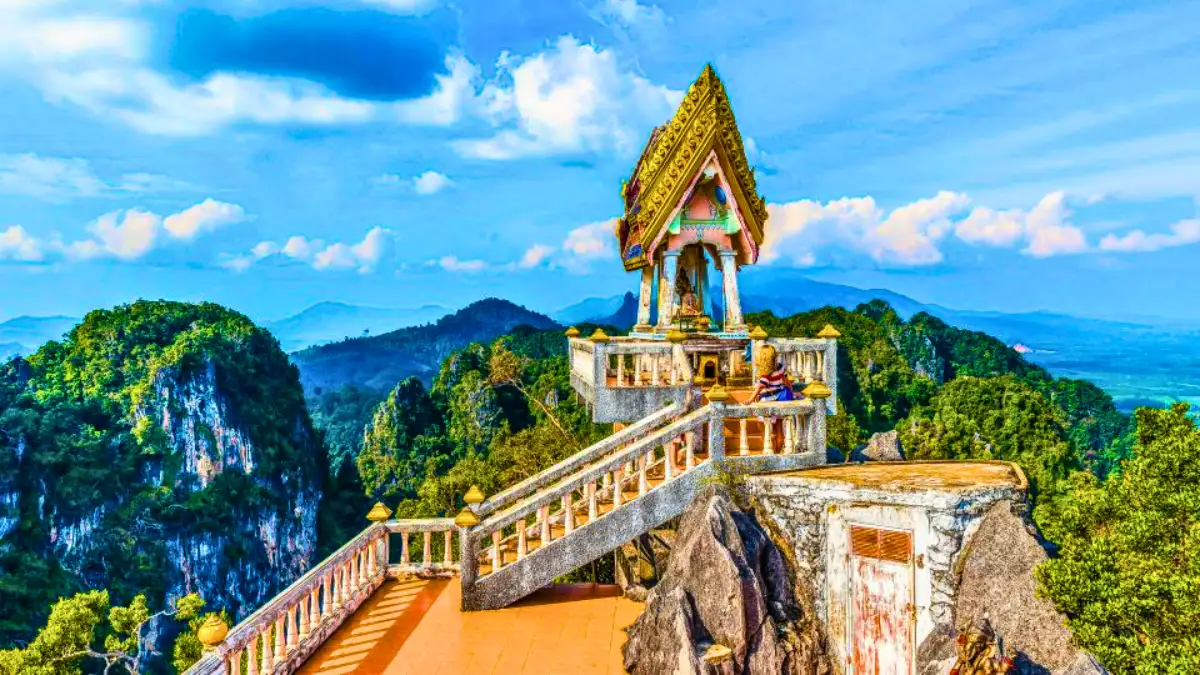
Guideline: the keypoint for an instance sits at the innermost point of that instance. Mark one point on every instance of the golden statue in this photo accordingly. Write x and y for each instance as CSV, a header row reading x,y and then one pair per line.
x,y
978,653
689,302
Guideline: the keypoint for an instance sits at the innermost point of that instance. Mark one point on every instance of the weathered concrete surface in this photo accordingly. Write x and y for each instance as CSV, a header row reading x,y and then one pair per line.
x,y
996,573
941,504
726,584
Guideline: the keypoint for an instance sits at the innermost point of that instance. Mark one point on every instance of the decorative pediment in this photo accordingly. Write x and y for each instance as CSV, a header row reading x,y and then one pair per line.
x,y
703,125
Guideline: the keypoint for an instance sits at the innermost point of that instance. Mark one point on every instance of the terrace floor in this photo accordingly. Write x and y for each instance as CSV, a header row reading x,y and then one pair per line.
x,y
416,627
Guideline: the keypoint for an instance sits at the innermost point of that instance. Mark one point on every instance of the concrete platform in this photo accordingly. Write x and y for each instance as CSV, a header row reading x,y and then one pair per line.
x,y
912,476
415,627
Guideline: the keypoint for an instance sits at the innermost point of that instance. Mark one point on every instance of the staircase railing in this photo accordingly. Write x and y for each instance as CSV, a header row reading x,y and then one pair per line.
x,y
574,462
278,637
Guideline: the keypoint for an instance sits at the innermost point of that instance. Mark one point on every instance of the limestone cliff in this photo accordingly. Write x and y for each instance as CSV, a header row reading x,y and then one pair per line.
x,y
161,448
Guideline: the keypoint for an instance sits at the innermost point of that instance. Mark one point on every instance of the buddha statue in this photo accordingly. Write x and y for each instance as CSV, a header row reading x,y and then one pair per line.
x,y
689,302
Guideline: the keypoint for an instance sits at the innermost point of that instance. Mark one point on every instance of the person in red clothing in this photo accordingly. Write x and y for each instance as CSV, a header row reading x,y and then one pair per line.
x,y
774,384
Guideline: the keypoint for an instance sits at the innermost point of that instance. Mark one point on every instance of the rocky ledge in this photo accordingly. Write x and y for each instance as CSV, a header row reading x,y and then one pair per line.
x,y
727,602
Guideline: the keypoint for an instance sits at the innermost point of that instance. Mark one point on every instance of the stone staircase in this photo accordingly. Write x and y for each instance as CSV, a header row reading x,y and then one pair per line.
x,y
624,486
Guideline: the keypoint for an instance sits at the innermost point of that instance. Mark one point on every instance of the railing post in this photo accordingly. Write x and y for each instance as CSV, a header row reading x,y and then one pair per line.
x,y
269,656
252,654
522,545
618,489
448,555
468,567
788,438
689,439
568,515
427,553
593,507
716,432
544,521
743,436
403,547
290,616
768,435
496,555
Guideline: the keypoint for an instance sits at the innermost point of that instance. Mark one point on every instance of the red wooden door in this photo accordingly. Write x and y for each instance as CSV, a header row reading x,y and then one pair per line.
x,y
881,597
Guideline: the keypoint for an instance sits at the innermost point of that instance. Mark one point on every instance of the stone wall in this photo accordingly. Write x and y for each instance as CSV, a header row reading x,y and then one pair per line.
x,y
813,517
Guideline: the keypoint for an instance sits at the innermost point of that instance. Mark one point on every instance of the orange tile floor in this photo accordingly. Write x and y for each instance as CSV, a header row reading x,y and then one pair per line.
x,y
416,628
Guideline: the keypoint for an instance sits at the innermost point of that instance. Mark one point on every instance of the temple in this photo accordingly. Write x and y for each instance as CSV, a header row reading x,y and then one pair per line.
x,y
692,392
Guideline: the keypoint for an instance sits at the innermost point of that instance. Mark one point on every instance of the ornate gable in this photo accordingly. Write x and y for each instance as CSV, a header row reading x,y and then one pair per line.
x,y
674,155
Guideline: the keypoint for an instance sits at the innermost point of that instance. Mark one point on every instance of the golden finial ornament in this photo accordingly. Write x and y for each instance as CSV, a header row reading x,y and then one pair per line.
x,y
379,513
466,518
817,389
599,336
718,394
473,496
212,632
758,333
829,332
675,335
572,332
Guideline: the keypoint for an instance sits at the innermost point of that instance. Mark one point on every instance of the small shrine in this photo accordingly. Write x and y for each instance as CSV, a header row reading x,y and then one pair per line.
x,y
691,204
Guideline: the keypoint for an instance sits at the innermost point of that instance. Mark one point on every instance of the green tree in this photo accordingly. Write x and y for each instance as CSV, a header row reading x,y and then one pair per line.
x,y
1128,573
70,636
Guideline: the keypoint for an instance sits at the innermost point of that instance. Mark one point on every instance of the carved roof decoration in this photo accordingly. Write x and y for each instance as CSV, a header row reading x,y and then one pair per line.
x,y
674,155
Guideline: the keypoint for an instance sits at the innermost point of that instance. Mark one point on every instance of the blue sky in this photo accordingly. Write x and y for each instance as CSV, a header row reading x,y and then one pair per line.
x,y
270,154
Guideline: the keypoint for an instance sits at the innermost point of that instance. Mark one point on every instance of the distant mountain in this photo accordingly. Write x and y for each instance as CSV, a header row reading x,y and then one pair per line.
x,y
330,321
788,291
589,310
380,361
626,314
30,332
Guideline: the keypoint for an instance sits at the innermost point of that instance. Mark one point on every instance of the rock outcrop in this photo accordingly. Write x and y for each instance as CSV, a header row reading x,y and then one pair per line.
x,y
996,579
726,586
882,447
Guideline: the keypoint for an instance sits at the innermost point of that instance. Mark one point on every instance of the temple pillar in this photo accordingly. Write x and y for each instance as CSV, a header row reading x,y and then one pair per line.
x,y
666,301
643,316
733,303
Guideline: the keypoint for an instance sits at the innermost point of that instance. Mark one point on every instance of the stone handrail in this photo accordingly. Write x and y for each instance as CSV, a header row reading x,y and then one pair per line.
x,y
280,635
594,472
426,527
574,462
810,359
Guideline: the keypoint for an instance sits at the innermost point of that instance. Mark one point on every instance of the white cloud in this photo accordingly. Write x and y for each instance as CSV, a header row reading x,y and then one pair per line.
x,y
535,255
1181,233
206,216
572,97
907,236
430,182
994,228
16,244
453,264
580,247
631,14
404,6
1049,231
131,234
363,256
53,178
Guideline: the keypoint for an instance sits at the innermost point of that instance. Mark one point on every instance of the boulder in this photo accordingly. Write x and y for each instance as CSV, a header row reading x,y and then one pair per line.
x,y
726,585
996,579
882,447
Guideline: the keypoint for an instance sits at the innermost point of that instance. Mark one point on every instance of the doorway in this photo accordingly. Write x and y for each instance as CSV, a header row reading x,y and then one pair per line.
x,y
881,607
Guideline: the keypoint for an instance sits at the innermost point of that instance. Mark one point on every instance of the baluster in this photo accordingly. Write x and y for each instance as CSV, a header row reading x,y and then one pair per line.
x,y
593,507
234,664
743,436
305,628
618,490
360,562
292,640
448,557
372,563
280,643
689,439
769,436
788,436
252,655
403,547
522,545
568,514
544,520
668,461
607,480
643,480
654,369
496,551
344,582
271,656
427,560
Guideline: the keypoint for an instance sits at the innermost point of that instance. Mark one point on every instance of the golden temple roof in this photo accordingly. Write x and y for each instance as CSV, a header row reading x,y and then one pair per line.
x,y
674,155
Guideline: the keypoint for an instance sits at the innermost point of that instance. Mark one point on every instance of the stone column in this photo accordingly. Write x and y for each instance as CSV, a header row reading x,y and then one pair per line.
x,y
666,289
643,317
716,432
733,303
830,374
468,571
816,429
